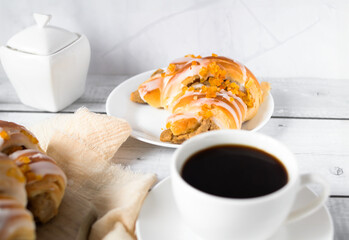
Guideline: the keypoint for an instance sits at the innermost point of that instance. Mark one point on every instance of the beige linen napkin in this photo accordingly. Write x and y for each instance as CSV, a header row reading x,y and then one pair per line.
x,y
102,199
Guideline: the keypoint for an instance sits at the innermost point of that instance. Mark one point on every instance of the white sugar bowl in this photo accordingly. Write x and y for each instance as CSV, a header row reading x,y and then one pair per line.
x,y
47,65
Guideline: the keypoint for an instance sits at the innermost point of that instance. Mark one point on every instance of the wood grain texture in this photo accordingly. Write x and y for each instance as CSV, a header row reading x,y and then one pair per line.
x,y
311,117
320,146
339,209
97,90
294,97
310,98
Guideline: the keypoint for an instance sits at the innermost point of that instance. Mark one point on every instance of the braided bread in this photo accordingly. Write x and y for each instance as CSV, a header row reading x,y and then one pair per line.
x,y
16,222
14,137
46,182
202,94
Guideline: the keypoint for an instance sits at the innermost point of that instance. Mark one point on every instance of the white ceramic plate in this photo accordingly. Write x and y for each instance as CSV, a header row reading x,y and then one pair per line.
x,y
159,219
147,122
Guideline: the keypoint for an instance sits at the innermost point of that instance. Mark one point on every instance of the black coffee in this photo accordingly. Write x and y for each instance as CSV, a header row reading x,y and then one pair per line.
x,y
234,171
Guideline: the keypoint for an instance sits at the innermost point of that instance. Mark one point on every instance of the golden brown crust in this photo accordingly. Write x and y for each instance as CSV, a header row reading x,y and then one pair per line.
x,y
46,183
227,113
43,207
204,126
185,125
265,86
153,98
16,222
261,94
16,137
44,179
45,196
210,76
150,90
190,80
135,97
241,74
23,234
166,135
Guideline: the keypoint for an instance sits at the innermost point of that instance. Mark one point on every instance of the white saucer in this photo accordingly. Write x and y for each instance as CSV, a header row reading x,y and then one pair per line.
x,y
159,219
147,122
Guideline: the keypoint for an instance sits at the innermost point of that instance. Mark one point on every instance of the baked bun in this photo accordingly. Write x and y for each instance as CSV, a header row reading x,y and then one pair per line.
x,y
16,222
14,137
45,182
150,90
226,87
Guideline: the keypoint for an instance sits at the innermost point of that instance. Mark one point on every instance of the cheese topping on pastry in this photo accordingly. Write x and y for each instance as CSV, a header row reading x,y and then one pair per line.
x,y
214,88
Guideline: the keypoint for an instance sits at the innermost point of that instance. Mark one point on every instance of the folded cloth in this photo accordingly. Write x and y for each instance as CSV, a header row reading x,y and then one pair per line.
x,y
102,199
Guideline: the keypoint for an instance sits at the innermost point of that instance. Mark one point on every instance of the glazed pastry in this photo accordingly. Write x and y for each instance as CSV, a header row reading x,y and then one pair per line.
x,y
202,94
149,92
16,222
46,182
14,137
194,113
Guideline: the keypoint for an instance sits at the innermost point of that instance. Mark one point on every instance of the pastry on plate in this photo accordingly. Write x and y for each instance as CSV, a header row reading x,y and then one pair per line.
x,y
16,222
202,94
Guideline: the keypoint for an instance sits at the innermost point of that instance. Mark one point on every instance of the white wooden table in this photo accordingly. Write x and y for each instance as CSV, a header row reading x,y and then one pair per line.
x,y
311,117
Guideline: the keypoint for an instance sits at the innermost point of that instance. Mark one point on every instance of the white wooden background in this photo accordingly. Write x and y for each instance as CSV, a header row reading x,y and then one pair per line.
x,y
311,117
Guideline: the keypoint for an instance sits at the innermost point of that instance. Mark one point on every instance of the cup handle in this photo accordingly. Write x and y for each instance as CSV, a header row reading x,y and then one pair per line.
x,y
310,208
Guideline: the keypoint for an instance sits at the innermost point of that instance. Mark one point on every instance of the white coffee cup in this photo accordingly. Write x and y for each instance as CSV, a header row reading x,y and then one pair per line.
x,y
214,217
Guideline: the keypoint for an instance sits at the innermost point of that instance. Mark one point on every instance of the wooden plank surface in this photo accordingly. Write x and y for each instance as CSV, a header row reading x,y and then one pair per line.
x,y
339,209
310,98
296,98
311,117
320,146
97,90
144,157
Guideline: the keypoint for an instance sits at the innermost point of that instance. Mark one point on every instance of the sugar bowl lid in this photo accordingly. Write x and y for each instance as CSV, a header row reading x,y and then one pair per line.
x,y
41,39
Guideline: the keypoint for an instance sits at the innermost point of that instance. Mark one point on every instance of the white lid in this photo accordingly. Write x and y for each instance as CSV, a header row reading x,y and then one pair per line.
x,y
41,39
